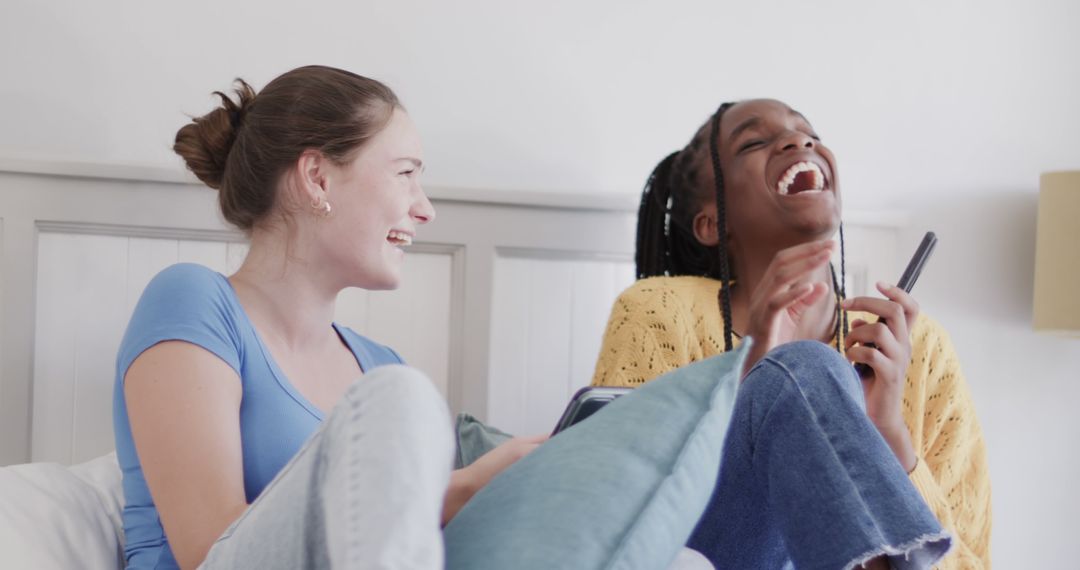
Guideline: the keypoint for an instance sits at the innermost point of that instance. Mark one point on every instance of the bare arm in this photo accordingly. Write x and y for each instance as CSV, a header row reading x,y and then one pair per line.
x,y
184,406
467,481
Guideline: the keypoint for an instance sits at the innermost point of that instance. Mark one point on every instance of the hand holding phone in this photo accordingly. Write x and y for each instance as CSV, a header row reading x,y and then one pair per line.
x,y
907,282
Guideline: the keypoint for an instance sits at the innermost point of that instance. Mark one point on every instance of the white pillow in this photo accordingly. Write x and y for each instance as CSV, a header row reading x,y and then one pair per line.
x,y
52,516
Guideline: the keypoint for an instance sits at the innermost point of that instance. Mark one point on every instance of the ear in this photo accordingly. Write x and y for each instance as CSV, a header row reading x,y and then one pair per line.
x,y
313,177
705,227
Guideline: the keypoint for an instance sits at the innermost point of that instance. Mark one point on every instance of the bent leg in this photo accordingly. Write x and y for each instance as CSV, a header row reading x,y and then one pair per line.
x,y
807,479
366,491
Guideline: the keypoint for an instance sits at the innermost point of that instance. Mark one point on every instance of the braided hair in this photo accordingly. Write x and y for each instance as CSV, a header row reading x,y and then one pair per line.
x,y
666,244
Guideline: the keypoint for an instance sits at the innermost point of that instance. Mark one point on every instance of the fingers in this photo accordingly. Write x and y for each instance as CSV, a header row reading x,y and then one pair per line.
x,y
514,449
796,262
810,293
890,311
776,290
902,298
883,308
877,334
787,285
871,357
786,298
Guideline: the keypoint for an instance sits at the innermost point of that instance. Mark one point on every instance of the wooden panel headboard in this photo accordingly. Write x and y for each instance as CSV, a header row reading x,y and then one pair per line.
x,y
503,303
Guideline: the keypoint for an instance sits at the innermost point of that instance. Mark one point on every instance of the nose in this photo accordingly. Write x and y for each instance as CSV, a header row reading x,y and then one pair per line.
x,y
422,211
795,140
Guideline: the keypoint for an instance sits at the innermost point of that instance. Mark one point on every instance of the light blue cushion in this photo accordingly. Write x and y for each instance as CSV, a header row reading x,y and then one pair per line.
x,y
623,489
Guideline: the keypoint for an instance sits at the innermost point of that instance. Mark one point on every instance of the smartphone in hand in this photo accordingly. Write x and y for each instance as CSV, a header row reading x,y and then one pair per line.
x,y
586,402
907,282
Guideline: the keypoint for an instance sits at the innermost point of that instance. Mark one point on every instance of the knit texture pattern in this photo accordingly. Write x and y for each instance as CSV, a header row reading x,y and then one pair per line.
x,y
661,323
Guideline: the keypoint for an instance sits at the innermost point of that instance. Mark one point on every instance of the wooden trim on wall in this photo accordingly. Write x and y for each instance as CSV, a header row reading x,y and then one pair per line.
x,y
476,228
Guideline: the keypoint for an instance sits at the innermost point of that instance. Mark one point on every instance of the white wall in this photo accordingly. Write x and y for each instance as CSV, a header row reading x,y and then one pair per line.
x,y
947,109
1025,385
570,95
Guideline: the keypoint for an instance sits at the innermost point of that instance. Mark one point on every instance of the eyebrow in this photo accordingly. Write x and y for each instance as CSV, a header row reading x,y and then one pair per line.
x,y
755,121
416,161
744,126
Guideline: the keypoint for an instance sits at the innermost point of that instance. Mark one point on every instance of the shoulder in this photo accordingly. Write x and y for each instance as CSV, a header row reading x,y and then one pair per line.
x,y
184,284
930,341
673,309
186,276
681,286
369,350
667,294
660,300
929,329
186,302
935,364
654,327
186,293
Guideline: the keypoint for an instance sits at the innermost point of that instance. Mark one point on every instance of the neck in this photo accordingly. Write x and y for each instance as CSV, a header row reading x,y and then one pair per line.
x,y
287,298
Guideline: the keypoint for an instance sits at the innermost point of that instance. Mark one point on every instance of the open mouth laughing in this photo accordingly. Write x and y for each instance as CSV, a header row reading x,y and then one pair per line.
x,y
399,238
803,177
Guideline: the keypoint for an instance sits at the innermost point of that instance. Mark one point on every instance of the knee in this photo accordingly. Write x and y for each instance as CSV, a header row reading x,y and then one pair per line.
x,y
813,364
807,351
402,399
391,380
406,391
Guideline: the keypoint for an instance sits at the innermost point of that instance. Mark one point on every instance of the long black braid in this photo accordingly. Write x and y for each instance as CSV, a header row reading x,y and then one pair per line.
x,y
721,223
651,255
842,315
665,241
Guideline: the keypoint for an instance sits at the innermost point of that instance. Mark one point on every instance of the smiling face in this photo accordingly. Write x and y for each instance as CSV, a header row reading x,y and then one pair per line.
x,y
780,182
377,205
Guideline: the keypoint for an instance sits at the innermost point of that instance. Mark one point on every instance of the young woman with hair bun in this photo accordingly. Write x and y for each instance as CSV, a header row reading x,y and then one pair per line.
x,y
244,437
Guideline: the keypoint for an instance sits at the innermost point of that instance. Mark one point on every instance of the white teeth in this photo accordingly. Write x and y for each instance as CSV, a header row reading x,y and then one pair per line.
x,y
399,238
818,177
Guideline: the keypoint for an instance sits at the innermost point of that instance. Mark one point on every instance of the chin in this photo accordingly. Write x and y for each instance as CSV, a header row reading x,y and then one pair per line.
x,y
383,283
375,278
817,227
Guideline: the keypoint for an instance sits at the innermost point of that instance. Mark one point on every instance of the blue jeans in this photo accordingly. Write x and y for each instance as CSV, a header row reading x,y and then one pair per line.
x,y
806,479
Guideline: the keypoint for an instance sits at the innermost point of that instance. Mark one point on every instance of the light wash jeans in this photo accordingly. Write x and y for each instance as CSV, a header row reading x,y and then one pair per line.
x,y
365,491
806,480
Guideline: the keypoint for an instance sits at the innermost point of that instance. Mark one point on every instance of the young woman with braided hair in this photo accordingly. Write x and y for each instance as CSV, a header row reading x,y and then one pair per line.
x,y
735,240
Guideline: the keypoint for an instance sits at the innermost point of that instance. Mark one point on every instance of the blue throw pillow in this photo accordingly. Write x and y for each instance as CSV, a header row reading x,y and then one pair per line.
x,y
623,489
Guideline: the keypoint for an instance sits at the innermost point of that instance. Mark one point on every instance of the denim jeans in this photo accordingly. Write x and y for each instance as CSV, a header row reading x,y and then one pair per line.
x,y
365,491
806,479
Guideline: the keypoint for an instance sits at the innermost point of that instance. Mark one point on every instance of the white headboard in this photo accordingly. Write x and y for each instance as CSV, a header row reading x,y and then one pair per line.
x,y
504,300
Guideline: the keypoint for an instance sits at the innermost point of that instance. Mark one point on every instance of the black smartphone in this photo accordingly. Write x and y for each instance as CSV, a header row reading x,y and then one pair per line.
x,y
915,266
907,282
586,402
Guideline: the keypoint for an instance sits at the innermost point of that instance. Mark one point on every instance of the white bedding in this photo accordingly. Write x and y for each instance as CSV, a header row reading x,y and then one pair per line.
x,y
53,516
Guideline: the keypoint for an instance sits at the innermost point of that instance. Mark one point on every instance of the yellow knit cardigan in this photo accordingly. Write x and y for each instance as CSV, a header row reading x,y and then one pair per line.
x,y
662,323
